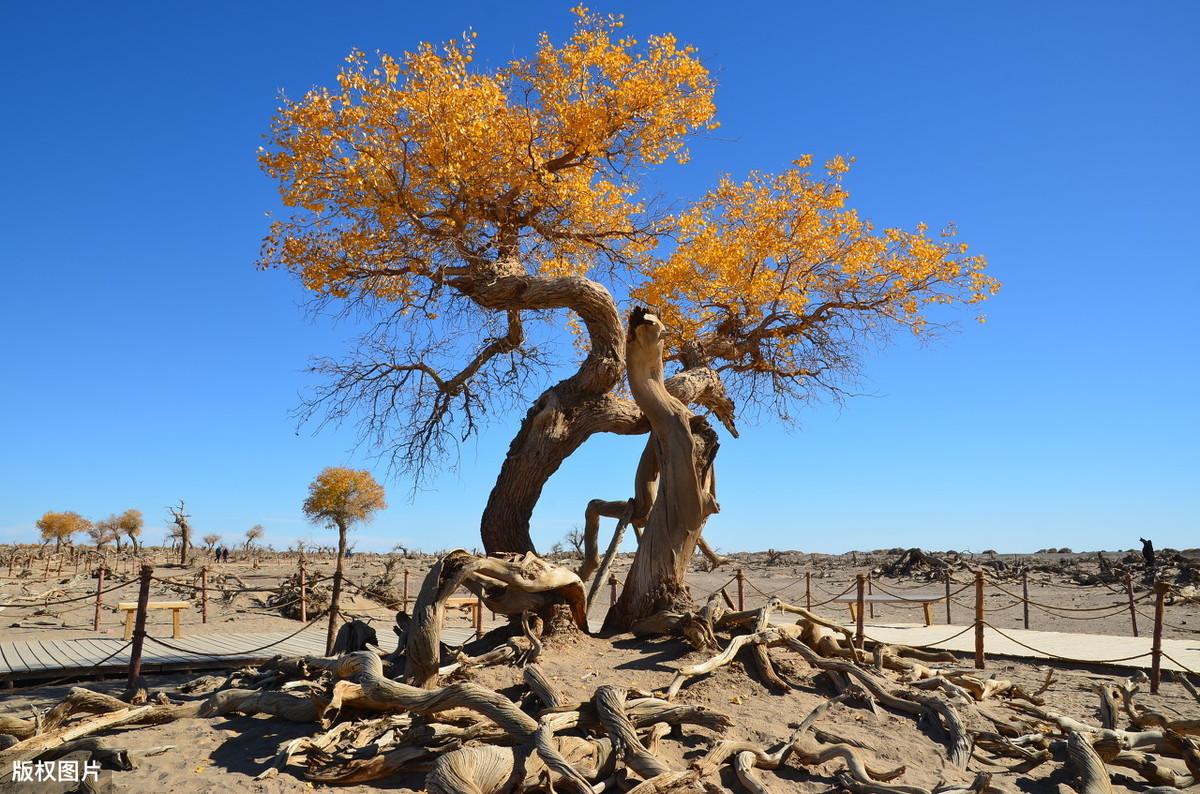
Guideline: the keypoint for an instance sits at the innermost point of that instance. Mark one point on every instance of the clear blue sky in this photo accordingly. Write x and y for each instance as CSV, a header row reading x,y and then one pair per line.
x,y
145,360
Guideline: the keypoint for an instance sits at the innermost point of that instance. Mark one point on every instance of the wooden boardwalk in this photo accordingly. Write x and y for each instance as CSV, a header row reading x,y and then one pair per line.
x,y
97,656
1101,649
43,659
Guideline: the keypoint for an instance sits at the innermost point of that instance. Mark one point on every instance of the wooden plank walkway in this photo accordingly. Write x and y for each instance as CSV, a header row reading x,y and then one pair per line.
x,y
42,659
45,659
1103,649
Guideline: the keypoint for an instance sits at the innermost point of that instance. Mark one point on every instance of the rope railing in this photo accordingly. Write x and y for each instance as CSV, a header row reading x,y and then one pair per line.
x,y
1031,602
1180,664
1167,625
246,652
925,646
1060,657
1121,610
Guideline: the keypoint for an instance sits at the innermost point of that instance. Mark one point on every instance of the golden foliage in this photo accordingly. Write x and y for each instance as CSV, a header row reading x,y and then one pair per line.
x,y
418,176
417,161
761,262
130,522
340,496
60,527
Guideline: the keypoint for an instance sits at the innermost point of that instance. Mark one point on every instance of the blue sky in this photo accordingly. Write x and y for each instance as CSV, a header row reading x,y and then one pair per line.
x,y
146,360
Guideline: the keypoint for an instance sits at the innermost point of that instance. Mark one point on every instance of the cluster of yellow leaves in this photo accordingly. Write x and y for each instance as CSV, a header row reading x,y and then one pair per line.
x,y
61,526
342,496
776,254
415,161
414,164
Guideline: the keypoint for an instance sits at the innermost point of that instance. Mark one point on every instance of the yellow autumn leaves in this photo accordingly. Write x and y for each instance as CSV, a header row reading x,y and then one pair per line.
x,y
414,161
413,164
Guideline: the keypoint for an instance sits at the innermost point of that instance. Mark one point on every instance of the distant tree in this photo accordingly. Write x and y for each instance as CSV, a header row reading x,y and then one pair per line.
x,y
59,527
104,532
252,534
576,539
340,497
210,541
130,523
182,531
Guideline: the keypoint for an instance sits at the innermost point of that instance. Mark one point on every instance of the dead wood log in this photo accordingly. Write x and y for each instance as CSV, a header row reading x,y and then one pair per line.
x,y
912,702
365,669
610,708
1089,769
101,752
540,686
509,584
34,746
293,708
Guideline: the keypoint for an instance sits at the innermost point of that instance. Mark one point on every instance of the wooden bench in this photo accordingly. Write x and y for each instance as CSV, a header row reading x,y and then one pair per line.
x,y
926,602
475,606
130,610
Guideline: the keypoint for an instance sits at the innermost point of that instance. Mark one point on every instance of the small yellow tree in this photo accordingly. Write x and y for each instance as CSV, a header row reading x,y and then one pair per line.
x,y
130,524
59,527
340,497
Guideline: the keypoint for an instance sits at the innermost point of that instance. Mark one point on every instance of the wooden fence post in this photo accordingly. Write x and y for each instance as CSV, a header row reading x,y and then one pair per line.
x,y
870,591
948,620
979,620
858,613
304,593
139,628
1025,594
612,589
808,589
11,557
99,590
46,569
1132,609
61,560
203,594
405,607
741,591
1160,593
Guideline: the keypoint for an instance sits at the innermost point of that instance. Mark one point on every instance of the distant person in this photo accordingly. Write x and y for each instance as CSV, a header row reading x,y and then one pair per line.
x,y
1147,552
217,554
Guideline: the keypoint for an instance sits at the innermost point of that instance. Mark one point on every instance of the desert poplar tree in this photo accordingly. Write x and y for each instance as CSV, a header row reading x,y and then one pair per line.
x,y
60,527
339,498
478,210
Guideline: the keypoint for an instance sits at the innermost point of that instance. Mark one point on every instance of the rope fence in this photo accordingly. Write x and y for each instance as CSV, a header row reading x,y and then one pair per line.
x,y
246,652
864,588
871,591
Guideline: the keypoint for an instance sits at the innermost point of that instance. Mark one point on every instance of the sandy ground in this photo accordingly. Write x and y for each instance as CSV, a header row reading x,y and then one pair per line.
x,y
224,754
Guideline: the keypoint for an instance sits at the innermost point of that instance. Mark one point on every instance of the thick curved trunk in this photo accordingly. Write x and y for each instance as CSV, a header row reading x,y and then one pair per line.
x,y
560,419
555,427
685,446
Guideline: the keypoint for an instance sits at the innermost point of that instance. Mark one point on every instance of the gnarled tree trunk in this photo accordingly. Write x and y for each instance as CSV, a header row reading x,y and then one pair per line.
x,y
571,411
685,446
